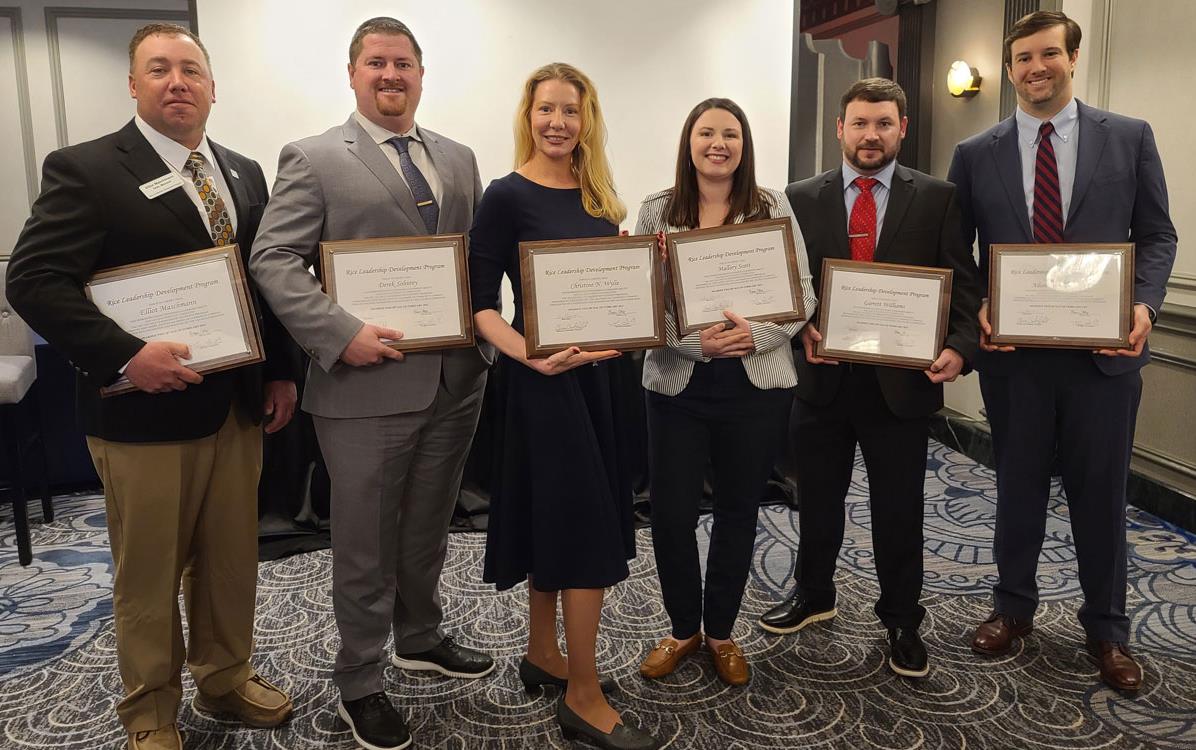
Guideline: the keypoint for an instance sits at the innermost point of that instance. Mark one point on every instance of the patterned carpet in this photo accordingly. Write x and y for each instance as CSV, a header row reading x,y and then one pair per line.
x,y
827,687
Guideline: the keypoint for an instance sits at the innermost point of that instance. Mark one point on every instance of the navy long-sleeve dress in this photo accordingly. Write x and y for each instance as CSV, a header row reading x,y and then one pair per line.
x,y
560,508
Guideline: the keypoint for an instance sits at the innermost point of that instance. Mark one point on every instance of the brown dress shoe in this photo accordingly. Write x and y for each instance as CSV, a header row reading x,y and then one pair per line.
x,y
995,635
166,738
663,659
732,668
256,703
1118,669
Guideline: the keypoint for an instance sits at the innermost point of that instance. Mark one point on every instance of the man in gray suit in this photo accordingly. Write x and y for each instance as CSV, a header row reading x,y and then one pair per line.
x,y
394,430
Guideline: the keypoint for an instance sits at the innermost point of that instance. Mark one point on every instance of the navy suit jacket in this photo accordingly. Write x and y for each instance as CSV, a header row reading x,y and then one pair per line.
x,y
1119,195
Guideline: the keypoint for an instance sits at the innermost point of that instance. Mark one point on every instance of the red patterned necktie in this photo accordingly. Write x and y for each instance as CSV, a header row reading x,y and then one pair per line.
x,y
1048,206
861,228
219,223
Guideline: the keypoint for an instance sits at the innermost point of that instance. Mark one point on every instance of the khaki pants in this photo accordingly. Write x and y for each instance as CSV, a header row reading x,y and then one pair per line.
x,y
181,511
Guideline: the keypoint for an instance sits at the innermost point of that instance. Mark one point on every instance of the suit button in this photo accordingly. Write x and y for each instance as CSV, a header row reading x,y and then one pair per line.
x,y
4,314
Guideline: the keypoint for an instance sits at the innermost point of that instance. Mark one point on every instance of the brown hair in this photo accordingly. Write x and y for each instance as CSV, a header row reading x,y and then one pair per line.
x,y
165,29
746,199
873,90
598,195
382,25
1035,22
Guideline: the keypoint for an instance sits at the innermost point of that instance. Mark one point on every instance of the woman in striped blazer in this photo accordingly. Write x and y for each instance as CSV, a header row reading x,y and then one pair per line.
x,y
718,397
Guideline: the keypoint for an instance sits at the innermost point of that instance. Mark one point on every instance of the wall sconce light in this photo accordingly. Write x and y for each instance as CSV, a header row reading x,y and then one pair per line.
x,y
963,80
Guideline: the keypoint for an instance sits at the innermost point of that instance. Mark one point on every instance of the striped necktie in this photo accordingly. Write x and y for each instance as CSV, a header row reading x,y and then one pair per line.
x,y
420,190
1048,206
219,223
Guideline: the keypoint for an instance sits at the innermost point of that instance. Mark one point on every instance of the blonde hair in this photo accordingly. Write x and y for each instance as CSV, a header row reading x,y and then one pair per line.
x,y
598,196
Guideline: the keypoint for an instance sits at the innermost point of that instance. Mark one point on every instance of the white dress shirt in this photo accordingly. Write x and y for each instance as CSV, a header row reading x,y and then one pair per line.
x,y
175,155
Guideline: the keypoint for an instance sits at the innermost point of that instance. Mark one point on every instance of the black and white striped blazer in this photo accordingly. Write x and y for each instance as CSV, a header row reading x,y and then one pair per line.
x,y
667,370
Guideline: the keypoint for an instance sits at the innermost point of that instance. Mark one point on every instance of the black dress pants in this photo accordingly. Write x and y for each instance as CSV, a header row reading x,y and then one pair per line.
x,y
723,421
895,456
1057,404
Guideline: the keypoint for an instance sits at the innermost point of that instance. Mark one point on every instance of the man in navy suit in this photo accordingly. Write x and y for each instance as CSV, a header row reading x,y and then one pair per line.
x,y
1061,171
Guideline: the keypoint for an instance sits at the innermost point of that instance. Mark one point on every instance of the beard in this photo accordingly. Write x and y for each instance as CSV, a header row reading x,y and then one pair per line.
x,y
391,105
870,163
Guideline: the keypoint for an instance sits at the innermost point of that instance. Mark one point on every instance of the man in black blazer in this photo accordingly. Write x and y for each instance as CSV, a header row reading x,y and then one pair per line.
x,y
869,209
1072,408
179,458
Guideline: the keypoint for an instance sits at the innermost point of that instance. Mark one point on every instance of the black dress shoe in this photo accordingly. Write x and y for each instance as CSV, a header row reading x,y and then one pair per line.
x,y
534,678
449,658
907,654
622,737
794,614
375,723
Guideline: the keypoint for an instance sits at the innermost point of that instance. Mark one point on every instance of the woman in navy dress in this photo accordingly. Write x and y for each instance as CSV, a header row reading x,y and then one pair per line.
x,y
560,514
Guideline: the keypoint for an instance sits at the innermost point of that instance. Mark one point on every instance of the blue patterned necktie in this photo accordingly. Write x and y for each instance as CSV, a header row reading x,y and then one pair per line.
x,y
420,190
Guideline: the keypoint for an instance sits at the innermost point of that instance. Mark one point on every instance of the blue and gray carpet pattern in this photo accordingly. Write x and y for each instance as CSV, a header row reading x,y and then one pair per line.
x,y
826,687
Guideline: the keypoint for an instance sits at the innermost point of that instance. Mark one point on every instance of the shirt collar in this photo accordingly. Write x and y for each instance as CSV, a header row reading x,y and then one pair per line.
x,y
172,152
382,135
884,176
1064,121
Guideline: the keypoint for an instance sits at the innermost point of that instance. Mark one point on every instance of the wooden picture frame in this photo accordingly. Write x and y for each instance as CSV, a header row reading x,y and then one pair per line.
x,y
404,283
879,307
613,282
166,299
734,287
1068,295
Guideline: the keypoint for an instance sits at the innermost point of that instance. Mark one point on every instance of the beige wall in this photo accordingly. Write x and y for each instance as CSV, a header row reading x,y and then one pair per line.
x,y
971,32
1152,87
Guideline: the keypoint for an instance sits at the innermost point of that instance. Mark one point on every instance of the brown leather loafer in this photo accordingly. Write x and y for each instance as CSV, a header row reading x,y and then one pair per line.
x,y
256,703
166,738
732,668
1118,669
995,635
663,659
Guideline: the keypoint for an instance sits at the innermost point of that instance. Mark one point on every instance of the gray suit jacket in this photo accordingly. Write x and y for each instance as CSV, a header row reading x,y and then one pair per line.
x,y
340,186
1119,195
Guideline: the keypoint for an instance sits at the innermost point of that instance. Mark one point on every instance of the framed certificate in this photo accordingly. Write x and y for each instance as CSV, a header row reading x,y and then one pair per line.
x,y
596,294
200,299
750,269
883,313
418,285
1066,296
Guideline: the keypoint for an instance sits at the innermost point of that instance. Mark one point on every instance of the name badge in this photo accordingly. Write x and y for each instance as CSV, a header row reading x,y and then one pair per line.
x,y
163,184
